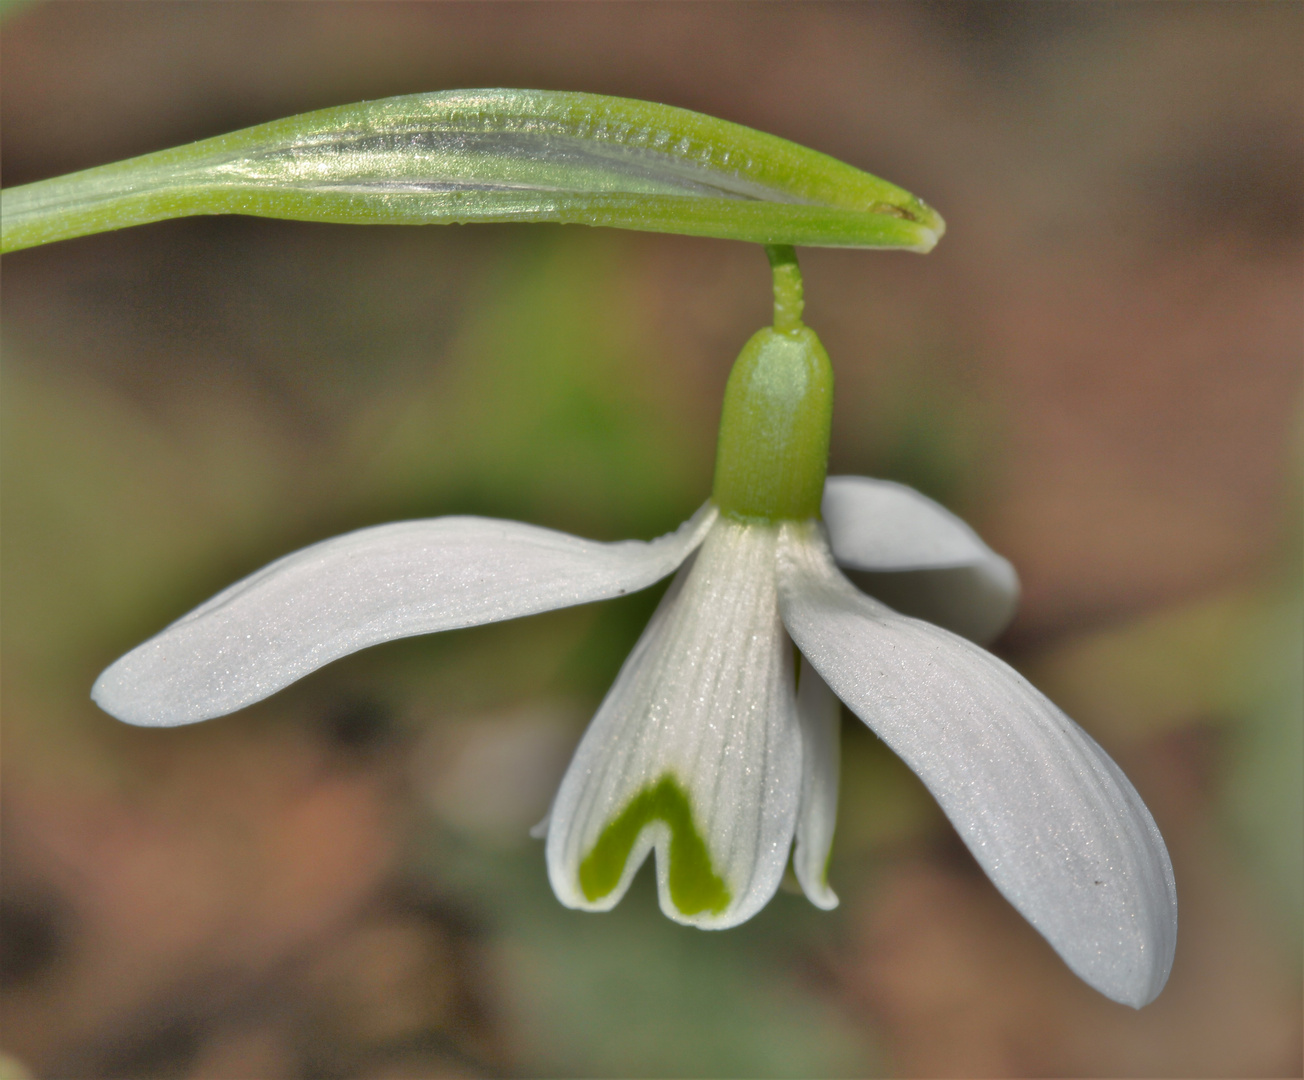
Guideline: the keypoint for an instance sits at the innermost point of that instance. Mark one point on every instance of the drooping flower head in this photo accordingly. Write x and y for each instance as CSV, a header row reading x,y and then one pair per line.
x,y
716,749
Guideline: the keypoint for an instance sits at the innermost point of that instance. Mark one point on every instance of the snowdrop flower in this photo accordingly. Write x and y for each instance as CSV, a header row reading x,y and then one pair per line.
x,y
713,749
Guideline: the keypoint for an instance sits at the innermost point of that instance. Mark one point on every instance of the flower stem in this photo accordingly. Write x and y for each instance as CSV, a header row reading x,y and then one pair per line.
x,y
788,295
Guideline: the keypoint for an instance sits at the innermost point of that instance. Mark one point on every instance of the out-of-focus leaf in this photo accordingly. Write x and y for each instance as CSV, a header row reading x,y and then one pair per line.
x,y
1264,792
108,514
1156,673
547,407
491,155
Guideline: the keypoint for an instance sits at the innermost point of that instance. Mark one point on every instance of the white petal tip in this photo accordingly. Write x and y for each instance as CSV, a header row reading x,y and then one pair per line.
x,y
1137,983
109,695
1135,997
149,699
822,897
703,922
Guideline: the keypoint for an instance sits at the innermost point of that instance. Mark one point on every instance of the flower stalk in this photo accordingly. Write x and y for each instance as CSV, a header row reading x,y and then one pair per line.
x,y
789,291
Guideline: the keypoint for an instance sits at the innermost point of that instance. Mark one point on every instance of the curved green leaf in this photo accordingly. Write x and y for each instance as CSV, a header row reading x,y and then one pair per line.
x,y
491,155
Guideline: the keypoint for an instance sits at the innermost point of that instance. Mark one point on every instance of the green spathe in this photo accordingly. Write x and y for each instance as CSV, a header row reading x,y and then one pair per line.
x,y
491,155
694,884
774,429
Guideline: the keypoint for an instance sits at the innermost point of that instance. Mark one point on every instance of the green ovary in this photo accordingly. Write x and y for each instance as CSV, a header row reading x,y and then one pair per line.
x,y
694,885
778,406
774,428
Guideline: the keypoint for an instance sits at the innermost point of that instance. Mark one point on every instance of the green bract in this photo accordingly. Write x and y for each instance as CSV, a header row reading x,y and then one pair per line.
x,y
491,155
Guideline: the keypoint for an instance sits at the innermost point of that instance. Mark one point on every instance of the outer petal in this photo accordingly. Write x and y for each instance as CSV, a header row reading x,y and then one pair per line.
x,y
695,753
821,752
918,557
365,587
1051,819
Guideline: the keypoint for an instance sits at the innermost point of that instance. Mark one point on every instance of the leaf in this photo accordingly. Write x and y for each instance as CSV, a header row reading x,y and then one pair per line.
x,y
491,155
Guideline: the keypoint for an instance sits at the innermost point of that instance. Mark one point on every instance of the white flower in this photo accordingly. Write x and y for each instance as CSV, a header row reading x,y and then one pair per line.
x,y
709,750
703,751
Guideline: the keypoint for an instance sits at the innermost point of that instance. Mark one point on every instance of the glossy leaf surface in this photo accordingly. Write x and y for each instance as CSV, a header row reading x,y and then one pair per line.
x,y
491,155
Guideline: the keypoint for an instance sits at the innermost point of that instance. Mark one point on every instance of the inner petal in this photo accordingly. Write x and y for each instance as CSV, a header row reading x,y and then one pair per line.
x,y
696,751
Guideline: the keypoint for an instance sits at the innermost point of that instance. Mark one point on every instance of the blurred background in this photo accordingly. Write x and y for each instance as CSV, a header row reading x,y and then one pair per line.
x,y
1099,367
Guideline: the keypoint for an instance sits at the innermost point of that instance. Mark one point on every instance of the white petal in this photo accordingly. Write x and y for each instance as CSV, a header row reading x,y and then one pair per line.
x,y
919,558
695,753
1051,819
369,586
879,525
821,744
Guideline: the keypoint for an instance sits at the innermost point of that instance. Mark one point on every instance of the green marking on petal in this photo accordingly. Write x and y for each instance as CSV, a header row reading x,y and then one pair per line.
x,y
694,884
